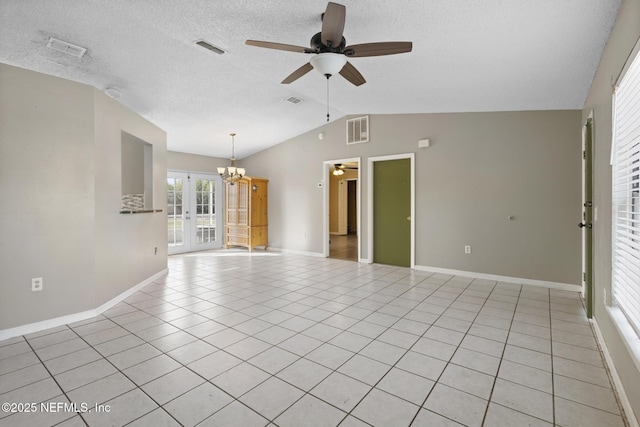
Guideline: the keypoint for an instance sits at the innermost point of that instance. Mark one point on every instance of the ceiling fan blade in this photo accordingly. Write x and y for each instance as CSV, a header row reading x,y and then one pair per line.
x,y
280,46
333,24
377,49
350,73
298,73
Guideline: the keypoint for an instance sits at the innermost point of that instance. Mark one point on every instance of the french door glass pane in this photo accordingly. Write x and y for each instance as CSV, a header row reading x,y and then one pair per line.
x,y
175,229
205,210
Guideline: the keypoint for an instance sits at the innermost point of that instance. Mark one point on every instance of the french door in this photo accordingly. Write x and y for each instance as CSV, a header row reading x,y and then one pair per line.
x,y
194,212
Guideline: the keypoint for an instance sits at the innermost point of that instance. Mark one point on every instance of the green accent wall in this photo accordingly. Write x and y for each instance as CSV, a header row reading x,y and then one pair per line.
x,y
391,207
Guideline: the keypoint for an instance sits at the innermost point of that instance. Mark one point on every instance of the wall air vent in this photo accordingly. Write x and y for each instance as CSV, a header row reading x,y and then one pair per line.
x,y
294,100
210,47
66,47
358,130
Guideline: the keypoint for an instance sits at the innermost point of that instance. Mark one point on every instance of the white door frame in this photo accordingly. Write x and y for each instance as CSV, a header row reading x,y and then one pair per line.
x,y
587,264
371,184
327,168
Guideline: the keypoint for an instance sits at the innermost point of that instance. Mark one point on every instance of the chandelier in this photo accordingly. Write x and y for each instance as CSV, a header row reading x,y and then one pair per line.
x,y
232,174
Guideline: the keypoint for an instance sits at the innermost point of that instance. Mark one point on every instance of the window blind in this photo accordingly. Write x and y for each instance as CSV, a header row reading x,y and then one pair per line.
x,y
626,196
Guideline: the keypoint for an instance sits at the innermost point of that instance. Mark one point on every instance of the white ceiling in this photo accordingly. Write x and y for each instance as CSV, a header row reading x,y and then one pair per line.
x,y
468,55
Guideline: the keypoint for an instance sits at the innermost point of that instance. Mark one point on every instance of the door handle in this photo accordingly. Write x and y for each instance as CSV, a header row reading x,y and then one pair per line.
x,y
408,218
582,225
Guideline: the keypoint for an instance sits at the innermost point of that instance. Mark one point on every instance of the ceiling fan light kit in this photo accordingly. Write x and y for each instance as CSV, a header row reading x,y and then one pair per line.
x,y
328,64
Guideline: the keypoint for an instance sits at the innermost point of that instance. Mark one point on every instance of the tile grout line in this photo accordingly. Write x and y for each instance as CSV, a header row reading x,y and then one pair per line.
x,y
504,349
64,393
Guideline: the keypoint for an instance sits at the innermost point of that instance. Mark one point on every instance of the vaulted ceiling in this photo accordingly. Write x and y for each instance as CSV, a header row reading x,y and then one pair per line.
x,y
468,55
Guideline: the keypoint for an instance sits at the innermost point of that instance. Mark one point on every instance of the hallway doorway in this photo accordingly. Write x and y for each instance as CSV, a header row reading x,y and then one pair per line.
x,y
342,209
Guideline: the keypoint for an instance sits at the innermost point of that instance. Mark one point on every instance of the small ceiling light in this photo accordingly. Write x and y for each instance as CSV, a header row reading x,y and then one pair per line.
x,y
232,174
113,92
338,170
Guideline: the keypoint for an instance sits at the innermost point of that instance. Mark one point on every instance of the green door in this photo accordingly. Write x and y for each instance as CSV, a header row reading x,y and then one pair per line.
x,y
587,217
392,212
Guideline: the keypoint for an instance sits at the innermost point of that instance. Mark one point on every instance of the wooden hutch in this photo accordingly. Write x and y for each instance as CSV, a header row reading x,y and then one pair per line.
x,y
246,219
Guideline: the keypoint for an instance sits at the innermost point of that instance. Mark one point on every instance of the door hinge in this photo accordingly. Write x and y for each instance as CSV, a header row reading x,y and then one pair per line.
x,y
584,154
584,277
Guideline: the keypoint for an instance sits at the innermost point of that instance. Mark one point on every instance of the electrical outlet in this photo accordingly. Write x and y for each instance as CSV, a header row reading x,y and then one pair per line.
x,y
36,284
467,249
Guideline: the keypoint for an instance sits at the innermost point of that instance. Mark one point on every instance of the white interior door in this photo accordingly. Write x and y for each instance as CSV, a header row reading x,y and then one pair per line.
x,y
193,204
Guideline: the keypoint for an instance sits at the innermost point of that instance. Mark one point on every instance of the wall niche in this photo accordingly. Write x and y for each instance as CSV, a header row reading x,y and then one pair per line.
x,y
136,174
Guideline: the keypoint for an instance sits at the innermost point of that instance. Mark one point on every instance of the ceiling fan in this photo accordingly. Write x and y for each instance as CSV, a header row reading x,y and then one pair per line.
x,y
331,51
339,168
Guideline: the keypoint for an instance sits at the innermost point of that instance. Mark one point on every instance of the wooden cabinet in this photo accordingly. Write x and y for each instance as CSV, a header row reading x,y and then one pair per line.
x,y
246,218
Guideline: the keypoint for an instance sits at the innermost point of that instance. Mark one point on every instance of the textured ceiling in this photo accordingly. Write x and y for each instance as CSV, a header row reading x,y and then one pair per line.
x,y
468,55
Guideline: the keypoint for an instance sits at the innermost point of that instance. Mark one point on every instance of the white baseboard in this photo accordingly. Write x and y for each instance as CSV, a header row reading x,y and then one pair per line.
x,y
76,317
293,251
617,383
518,280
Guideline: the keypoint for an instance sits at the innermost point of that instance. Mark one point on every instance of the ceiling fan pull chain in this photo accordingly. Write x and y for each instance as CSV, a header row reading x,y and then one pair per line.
x,y
328,75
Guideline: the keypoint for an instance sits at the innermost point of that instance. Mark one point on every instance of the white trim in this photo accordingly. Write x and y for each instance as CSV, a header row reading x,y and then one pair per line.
x,y
326,177
370,162
76,317
497,278
627,333
296,252
617,382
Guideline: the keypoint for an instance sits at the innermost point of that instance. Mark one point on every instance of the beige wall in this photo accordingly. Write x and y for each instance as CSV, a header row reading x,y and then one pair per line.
x,y
195,163
625,34
480,169
60,190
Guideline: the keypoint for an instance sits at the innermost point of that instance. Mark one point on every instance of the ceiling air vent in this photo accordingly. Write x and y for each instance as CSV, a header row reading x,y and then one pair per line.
x,y
66,47
293,100
358,130
209,46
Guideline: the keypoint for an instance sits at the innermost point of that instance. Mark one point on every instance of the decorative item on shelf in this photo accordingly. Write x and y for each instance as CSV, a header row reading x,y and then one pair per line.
x,y
232,174
132,202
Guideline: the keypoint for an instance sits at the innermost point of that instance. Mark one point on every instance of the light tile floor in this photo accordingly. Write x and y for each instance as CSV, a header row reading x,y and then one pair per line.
x,y
232,339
